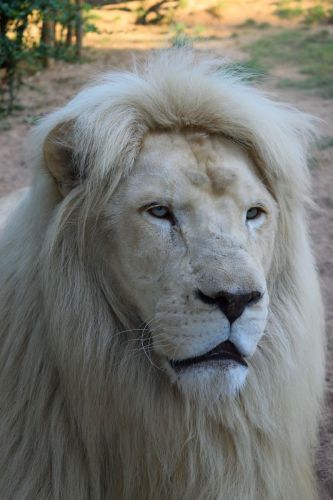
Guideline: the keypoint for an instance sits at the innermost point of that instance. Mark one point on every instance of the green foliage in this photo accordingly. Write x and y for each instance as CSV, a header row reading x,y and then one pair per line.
x,y
249,23
199,29
90,28
180,37
318,15
31,119
263,25
56,20
178,28
14,17
312,53
289,13
252,23
141,12
182,40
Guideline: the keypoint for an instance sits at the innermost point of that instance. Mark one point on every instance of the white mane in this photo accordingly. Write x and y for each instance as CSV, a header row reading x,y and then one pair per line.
x,y
81,416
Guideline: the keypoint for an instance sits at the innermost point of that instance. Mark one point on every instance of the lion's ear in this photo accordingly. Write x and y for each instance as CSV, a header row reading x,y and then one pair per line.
x,y
59,158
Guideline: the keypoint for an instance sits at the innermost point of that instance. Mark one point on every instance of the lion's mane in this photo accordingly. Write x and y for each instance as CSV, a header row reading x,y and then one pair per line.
x,y
81,416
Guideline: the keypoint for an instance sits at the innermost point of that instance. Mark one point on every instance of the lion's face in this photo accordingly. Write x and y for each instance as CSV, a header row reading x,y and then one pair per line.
x,y
192,239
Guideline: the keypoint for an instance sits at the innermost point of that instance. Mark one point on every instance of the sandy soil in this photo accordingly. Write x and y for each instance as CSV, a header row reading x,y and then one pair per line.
x,y
52,88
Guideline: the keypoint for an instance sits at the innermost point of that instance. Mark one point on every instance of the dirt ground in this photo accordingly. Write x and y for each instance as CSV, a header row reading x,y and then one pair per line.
x,y
52,88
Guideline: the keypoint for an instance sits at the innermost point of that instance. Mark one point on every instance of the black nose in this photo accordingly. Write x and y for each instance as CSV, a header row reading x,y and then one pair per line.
x,y
231,304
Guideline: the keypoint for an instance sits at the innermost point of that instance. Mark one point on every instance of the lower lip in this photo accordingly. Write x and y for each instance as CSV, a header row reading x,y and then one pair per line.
x,y
221,359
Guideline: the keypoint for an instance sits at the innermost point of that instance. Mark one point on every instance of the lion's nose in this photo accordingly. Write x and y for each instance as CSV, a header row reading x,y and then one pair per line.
x,y
231,304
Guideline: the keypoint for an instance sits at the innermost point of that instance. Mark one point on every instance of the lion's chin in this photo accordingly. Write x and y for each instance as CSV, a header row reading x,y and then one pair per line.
x,y
211,381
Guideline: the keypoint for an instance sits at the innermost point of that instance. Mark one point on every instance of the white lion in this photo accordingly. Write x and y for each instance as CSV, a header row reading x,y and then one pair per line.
x,y
161,319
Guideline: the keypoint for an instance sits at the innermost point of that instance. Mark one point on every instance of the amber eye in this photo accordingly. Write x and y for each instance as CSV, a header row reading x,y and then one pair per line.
x,y
254,213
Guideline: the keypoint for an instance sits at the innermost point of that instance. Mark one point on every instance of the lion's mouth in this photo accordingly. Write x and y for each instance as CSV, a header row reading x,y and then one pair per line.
x,y
226,351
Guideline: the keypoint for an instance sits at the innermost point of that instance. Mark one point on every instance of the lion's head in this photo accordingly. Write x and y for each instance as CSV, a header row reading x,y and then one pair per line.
x,y
180,196
191,235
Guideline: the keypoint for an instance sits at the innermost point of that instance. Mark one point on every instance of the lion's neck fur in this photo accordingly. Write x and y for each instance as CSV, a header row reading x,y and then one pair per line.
x,y
85,419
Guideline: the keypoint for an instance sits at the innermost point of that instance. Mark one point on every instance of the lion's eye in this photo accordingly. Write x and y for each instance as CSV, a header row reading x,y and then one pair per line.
x,y
254,213
162,212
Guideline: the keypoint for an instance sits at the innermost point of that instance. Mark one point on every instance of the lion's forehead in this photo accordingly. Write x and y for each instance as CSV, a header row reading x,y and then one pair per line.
x,y
178,163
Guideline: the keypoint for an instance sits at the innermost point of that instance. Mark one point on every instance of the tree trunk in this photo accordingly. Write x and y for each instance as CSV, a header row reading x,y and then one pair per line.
x,y
3,24
46,41
79,28
69,34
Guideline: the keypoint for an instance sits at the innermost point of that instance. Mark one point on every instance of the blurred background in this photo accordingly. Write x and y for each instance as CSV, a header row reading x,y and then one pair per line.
x,y
49,49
